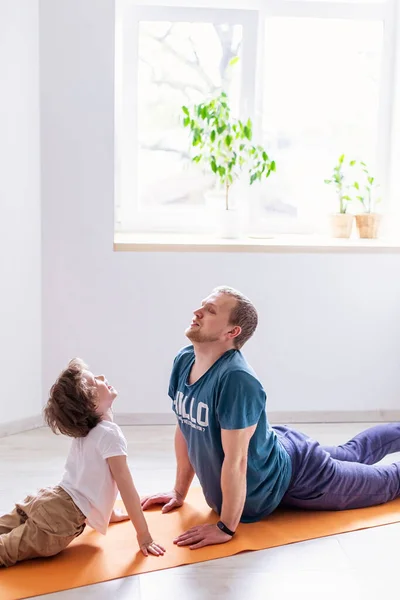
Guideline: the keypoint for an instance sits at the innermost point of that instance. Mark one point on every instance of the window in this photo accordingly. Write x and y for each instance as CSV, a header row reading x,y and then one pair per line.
x,y
180,63
319,101
315,77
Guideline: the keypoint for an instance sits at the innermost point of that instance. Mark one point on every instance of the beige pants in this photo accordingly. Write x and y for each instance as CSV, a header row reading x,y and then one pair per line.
x,y
42,525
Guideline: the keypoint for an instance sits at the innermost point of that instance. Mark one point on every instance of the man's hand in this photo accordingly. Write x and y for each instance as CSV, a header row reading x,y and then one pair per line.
x,y
202,535
170,500
118,515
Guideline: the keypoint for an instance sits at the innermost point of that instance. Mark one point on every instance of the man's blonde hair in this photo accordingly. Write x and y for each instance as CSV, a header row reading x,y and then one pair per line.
x,y
243,314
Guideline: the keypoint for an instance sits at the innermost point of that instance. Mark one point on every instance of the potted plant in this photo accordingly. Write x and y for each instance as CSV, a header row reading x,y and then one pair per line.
x,y
224,145
342,221
369,221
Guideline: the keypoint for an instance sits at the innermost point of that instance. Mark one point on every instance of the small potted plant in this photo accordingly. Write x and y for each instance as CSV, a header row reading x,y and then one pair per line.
x,y
342,221
224,145
368,221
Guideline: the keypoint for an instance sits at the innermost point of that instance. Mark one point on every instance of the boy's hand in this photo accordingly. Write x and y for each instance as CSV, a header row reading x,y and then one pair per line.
x,y
118,515
123,478
148,546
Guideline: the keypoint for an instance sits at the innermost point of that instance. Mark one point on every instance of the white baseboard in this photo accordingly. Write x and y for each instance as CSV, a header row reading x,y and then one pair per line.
x,y
145,418
335,416
20,425
339,416
283,417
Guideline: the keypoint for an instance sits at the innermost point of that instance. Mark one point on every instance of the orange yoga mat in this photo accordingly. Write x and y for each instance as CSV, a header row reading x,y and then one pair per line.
x,y
93,558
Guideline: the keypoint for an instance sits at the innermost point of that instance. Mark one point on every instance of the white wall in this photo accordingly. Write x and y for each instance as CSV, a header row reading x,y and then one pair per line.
x,y
329,336
20,260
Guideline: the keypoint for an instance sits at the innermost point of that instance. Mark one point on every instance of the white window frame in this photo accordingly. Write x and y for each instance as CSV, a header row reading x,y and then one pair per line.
x,y
378,11
128,214
252,16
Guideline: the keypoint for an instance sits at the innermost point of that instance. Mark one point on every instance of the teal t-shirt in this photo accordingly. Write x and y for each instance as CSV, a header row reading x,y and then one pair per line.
x,y
229,396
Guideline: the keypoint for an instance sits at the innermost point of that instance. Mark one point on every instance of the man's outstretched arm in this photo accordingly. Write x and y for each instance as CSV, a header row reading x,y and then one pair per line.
x,y
235,444
184,477
233,475
184,469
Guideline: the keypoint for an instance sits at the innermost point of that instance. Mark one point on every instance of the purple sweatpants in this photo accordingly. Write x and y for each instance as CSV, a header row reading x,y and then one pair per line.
x,y
342,477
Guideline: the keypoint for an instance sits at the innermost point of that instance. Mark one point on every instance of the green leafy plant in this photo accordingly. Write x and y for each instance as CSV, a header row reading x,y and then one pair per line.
x,y
366,190
338,181
225,143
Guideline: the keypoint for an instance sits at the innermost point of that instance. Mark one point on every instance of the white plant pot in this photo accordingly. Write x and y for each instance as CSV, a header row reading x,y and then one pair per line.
x,y
229,224
226,223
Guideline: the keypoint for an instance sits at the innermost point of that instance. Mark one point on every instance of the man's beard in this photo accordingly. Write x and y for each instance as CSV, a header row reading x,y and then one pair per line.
x,y
196,335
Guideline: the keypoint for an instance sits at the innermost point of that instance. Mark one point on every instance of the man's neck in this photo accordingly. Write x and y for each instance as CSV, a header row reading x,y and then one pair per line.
x,y
205,356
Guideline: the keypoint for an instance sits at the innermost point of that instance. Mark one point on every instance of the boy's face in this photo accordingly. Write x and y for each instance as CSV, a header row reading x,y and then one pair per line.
x,y
106,394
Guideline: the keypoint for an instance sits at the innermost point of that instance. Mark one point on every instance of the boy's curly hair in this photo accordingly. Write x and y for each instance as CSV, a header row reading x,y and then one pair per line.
x,y
71,407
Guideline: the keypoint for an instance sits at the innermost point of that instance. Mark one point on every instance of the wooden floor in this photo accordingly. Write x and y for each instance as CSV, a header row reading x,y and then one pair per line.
x,y
362,565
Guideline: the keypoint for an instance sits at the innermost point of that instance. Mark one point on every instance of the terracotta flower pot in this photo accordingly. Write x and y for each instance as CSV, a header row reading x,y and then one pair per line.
x,y
368,225
341,225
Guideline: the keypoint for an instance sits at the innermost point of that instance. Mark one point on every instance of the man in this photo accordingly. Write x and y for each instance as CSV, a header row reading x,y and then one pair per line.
x,y
247,468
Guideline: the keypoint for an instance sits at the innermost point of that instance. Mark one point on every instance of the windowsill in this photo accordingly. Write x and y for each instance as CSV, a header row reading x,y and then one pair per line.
x,y
166,242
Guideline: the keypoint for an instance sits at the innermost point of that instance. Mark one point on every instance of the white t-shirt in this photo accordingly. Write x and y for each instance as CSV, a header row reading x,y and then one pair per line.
x,y
87,478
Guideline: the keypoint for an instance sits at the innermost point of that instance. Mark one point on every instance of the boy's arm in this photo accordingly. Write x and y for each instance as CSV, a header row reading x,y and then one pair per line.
x,y
123,478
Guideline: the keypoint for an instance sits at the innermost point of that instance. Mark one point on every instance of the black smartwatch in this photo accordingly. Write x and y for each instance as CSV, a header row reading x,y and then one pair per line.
x,y
225,529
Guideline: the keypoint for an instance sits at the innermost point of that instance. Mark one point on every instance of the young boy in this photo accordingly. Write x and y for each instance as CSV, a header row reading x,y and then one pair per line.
x,y
79,406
